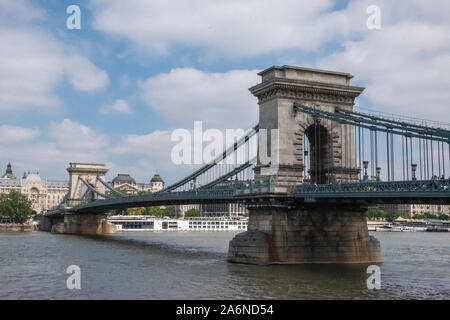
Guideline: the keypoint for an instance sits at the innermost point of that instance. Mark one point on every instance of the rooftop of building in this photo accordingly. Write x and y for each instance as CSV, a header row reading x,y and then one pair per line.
x,y
157,178
124,178
9,179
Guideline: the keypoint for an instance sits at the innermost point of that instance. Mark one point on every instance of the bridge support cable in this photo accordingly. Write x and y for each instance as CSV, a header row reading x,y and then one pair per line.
x,y
443,160
414,139
407,158
90,187
420,158
432,160
387,157
199,176
84,196
429,173
411,154
448,145
363,148
230,174
110,188
371,155
439,159
392,157
376,152
359,147
403,157
378,124
396,124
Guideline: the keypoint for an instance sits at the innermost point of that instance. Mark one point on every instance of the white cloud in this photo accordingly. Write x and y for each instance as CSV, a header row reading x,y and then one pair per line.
x,y
66,141
143,155
69,141
13,134
144,144
22,11
73,135
84,75
30,68
119,106
34,62
219,99
232,28
405,65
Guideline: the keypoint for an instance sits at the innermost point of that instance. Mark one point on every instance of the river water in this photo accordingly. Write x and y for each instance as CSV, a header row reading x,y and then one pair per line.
x,y
192,265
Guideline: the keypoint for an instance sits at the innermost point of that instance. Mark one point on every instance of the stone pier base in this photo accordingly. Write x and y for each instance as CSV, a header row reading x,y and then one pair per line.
x,y
91,224
279,235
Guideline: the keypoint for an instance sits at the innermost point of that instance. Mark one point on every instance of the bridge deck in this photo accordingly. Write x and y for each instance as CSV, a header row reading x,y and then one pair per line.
x,y
254,192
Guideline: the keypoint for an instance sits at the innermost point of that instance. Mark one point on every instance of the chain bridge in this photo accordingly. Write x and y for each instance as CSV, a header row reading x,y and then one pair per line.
x,y
306,172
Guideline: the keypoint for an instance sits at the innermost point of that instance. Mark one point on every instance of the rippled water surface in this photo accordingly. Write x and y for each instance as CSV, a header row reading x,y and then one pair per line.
x,y
192,265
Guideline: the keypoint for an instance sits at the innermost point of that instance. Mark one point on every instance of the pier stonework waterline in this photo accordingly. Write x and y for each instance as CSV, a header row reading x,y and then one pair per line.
x,y
322,235
88,224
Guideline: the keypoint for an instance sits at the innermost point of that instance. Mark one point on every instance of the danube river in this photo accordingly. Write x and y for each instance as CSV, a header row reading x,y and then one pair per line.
x,y
192,265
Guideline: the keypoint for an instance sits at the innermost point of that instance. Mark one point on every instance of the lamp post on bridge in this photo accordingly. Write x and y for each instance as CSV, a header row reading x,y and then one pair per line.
x,y
413,169
365,166
378,174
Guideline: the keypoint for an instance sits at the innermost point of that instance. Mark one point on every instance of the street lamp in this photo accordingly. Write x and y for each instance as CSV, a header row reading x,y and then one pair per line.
x,y
413,169
365,166
378,174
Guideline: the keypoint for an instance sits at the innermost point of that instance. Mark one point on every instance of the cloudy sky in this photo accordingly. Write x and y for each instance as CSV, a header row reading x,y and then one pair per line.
x,y
113,91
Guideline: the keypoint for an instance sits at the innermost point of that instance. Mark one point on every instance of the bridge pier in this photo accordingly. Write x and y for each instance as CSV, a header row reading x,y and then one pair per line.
x,y
321,235
45,223
86,223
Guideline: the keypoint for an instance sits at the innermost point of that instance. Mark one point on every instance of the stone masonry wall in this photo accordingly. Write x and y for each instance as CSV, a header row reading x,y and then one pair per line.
x,y
298,236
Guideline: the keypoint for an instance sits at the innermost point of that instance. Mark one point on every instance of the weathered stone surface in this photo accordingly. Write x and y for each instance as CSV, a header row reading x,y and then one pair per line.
x,y
45,223
92,224
16,227
297,236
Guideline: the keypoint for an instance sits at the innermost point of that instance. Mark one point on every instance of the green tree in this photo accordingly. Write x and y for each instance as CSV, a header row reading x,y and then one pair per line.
x,y
391,216
192,213
444,217
374,213
429,216
15,206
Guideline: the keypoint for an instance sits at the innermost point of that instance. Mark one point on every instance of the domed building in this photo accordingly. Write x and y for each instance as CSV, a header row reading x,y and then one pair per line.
x,y
8,173
126,184
156,183
44,194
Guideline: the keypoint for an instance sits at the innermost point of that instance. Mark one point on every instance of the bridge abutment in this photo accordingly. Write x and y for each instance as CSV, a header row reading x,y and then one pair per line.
x,y
281,235
89,224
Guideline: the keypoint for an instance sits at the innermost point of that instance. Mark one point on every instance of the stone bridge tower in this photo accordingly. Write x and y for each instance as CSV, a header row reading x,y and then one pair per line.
x,y
88,172
296,232
331,153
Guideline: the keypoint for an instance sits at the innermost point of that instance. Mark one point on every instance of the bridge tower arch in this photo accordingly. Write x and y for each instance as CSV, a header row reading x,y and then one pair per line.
x,y
280,88
89,172
317,153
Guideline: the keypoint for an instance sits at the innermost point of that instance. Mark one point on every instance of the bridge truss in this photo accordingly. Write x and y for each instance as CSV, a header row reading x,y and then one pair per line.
x,y
407,145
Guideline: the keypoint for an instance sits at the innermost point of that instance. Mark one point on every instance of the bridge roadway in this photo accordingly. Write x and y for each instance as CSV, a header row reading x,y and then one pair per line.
x,y
253,193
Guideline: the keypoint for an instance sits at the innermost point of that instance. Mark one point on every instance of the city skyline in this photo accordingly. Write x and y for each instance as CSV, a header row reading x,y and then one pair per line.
x,y
104,93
